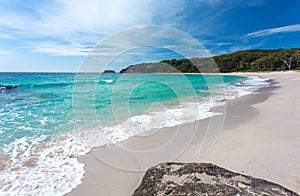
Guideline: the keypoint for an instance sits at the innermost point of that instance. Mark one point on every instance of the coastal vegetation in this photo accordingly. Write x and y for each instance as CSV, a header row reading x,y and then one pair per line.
x,y
242,61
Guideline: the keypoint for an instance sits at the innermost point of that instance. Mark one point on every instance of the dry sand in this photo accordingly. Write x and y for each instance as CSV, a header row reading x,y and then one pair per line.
x,y
260,137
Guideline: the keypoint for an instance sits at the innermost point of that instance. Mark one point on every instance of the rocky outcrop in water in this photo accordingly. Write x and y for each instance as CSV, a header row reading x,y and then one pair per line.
x,y
203,179
109,71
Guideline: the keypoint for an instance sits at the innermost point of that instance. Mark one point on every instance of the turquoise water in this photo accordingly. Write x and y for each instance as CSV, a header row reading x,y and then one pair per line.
x,y
36,104
48,119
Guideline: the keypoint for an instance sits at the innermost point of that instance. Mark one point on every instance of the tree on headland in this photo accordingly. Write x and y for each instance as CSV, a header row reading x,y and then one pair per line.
x,y
291,58
287,60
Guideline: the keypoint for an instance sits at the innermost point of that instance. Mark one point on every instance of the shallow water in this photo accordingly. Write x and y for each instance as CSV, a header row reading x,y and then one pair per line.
x,y
48,119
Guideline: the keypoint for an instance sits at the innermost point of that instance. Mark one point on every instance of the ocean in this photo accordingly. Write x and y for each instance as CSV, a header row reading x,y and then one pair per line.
x,y
48,119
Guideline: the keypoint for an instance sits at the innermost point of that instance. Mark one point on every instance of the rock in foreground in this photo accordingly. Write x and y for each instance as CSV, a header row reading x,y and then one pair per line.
x,y
203,179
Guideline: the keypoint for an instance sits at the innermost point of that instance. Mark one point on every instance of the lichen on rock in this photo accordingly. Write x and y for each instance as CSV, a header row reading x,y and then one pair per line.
x,y
203,179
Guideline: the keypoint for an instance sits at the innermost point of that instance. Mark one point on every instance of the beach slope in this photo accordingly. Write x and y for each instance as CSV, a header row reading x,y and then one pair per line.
x,y
260,137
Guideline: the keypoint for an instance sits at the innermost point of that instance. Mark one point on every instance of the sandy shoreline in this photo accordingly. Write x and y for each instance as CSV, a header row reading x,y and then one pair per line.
x,y
260,137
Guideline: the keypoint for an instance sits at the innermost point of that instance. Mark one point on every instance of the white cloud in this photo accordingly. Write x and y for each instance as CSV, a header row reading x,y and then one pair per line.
x,y
284,29
92,20
71,28
75,49
4,52
240,47
255,2
127,47
5,36
139,37
92,17
59,49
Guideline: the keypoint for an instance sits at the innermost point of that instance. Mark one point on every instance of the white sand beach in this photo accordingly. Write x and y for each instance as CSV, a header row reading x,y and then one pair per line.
x,y
260,137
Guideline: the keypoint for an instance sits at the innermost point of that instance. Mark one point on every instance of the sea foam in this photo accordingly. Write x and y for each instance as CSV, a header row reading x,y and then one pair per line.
x,y
37,168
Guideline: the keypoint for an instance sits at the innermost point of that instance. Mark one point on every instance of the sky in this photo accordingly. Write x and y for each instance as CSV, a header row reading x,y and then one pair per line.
x,y
60,35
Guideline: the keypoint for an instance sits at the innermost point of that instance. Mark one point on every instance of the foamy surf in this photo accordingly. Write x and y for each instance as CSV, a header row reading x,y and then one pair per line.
x,y
187,112
36,166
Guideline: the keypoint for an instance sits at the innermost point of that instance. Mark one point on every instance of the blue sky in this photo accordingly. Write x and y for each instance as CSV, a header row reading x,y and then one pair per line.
x,y
41,35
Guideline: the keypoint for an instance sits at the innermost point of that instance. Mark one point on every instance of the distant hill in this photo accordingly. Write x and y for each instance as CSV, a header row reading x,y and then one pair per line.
x,y
243,61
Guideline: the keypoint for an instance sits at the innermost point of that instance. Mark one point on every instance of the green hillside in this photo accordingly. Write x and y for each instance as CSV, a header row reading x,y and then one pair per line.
x,y
243,61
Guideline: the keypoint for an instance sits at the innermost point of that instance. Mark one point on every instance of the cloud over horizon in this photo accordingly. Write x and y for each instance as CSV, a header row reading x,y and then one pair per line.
x,y
284,29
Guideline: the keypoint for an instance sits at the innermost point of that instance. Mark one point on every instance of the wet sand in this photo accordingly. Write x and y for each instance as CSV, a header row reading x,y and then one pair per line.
x,y
257,135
